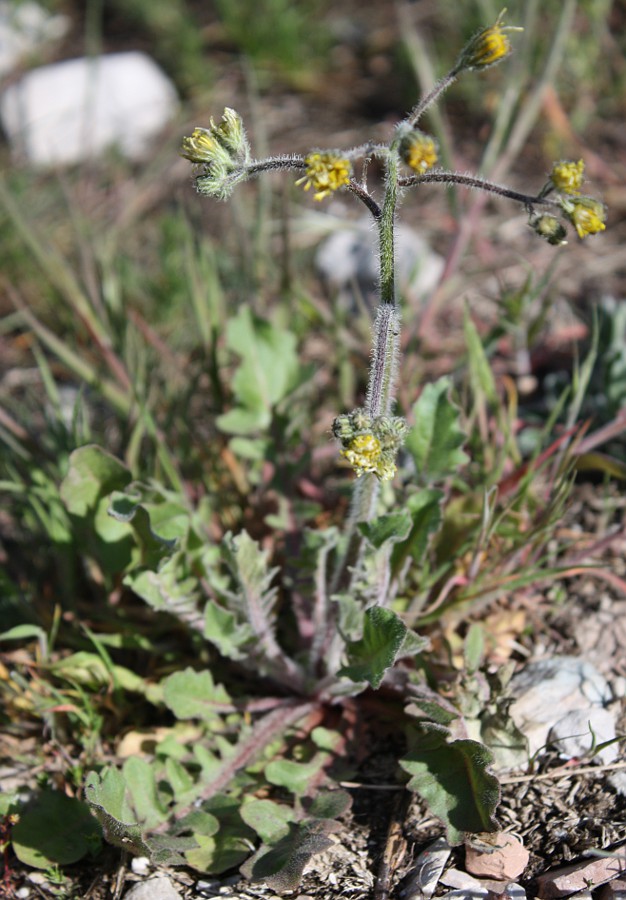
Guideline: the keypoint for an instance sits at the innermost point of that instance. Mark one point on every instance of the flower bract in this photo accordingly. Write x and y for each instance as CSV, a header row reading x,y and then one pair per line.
x,y
325,172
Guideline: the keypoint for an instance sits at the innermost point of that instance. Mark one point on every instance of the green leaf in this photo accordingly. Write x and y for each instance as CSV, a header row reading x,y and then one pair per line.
x,y
23,633
55,830
268,371
214,855
194,695
270,820
330,804
436,438
296,777
171,589
282,865
453,780
93,473
369,658
229,846
141,782
481,376
386,529
224,629
153,548
424,508
474,646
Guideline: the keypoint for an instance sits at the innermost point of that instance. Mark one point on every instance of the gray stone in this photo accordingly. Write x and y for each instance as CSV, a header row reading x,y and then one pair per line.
x,y
347,261
71,111
548,690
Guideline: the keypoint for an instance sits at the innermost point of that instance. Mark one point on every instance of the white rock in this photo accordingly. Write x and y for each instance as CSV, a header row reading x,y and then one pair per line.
x,y
140,865
71,111
546,691
24,28
573,736
159,888
348,260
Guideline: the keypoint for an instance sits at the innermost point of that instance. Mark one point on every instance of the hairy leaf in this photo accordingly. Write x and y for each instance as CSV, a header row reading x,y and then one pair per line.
x,y
194,695
153,548
436,438
268,371
270,820
226,630
369,658
295,776
109,798
424,509
54,830
386,529
93,473
481,376
454,780
282,865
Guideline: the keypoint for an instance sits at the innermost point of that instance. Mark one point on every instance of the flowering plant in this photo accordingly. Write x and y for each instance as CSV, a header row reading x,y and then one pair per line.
x,y
329,630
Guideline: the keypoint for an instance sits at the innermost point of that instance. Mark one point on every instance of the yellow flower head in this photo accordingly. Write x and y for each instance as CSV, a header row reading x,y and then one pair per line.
x,y
325,172
363,453
489,46
568,176
201,147
588,216
419,151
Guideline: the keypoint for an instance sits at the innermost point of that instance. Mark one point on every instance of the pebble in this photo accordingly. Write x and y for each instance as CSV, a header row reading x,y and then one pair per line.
x,y
581,876
159,888
140,865
504,857
72,111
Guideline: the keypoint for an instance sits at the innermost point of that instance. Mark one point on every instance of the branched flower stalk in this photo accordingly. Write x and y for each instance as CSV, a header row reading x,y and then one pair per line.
x,y
371,436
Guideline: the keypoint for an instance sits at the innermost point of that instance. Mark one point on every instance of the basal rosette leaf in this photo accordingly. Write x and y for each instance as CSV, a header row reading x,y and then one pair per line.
x,y
194,695
453,778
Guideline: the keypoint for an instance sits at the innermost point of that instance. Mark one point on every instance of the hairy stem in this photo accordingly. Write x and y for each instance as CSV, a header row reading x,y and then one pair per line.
x,y
437,176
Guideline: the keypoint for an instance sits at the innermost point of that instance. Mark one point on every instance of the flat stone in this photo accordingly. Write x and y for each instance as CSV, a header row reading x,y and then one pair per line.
x,y
581,876
159,888
424,877
503,859
68,112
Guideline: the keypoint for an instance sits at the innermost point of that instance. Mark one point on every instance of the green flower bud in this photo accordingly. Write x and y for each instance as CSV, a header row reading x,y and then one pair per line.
x,y
549,228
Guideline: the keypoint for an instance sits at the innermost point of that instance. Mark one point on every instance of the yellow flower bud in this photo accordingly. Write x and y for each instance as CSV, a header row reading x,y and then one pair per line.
x,y
419,151
488,47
